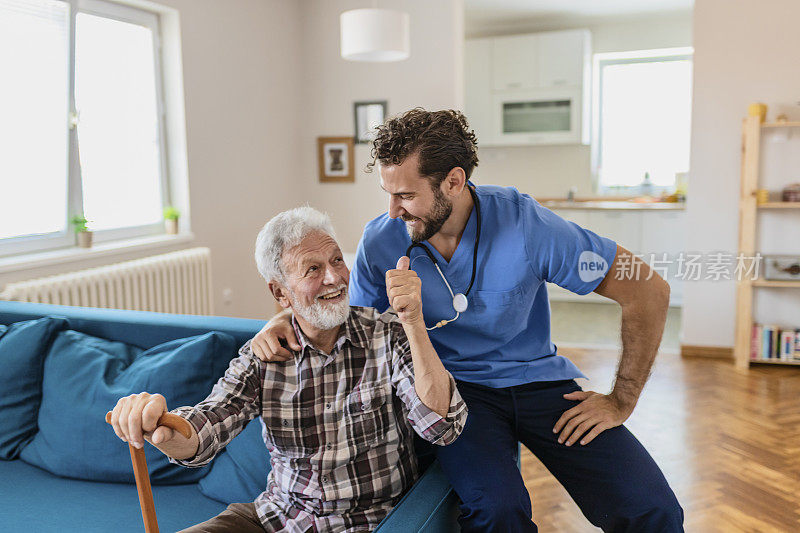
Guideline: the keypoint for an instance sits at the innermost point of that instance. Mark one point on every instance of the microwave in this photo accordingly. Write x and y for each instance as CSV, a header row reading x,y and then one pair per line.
x,y
539,116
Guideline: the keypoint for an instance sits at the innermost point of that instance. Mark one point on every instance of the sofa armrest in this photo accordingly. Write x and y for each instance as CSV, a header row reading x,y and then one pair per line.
x,y
431,506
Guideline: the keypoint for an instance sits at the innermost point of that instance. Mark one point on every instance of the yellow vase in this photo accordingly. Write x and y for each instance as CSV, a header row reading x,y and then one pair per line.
x,y
757,110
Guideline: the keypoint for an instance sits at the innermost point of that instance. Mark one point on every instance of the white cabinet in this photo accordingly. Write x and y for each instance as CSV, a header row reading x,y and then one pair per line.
x,y
514,62
529,89
478,87
561,58
624,227
664,233
540,60
651,233
578,216
663,239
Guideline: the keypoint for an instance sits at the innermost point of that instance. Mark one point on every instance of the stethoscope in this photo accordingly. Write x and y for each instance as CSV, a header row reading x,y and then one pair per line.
x,y
460,303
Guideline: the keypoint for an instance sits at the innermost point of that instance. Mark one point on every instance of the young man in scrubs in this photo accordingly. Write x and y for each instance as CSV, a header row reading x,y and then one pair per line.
x,y
516,386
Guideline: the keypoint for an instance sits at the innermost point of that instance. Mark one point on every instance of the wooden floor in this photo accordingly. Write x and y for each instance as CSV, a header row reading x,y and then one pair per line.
x,y
728,442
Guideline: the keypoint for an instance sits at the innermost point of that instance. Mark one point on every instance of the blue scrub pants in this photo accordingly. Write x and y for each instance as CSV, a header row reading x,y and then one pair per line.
x,y
613,479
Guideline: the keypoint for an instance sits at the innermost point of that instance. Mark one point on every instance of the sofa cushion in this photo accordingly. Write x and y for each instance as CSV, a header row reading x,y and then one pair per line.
x,y
36,501
23,348
84,377
239,472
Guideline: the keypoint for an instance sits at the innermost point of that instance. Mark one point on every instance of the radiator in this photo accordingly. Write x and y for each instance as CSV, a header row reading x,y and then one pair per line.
x,y
177,282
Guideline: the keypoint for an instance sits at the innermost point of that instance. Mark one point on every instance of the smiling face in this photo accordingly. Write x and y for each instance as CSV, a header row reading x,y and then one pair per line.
x,y
315,279
422,207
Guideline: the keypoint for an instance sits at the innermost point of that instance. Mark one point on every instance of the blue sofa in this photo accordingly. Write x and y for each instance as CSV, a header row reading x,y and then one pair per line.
x,y
32,499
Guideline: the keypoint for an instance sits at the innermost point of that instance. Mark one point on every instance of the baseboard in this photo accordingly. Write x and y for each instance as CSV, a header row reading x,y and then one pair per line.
x,y
715,352
603,347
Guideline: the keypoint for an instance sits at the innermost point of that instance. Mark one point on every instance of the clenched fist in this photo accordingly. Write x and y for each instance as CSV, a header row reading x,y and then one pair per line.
x,y
404,289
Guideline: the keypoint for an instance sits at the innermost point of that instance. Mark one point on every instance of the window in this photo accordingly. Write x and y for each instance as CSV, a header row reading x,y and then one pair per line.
x,y
84,129
642,125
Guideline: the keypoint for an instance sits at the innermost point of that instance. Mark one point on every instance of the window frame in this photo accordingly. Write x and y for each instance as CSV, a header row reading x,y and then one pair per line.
x,y
67,238
601,60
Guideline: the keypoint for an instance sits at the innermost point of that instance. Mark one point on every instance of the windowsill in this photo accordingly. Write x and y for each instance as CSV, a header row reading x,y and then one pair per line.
x,y
74,254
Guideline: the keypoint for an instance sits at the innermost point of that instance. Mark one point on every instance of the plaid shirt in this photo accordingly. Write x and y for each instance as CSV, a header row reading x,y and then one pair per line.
x,y
338,426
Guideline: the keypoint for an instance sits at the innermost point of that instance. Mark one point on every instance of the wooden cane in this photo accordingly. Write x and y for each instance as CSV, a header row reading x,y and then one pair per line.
x,y
141,474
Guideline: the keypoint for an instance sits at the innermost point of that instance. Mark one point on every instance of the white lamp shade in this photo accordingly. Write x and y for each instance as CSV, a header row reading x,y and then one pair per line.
x,y
374,35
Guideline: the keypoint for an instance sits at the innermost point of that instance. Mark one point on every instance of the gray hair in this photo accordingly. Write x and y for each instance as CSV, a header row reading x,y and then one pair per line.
x,y
283,232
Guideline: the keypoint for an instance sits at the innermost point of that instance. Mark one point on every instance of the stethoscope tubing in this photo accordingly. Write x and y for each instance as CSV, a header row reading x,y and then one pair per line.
x,y
474,262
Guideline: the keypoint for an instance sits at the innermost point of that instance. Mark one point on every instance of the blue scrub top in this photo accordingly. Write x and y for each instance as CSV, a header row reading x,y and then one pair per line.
x,y
503,338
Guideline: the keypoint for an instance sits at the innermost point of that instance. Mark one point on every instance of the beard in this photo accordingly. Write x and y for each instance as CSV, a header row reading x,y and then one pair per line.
x,y
323,315
434,220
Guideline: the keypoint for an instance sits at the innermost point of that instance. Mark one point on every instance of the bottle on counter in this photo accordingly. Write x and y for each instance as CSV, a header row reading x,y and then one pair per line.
x,y
571,194
681,185
647,185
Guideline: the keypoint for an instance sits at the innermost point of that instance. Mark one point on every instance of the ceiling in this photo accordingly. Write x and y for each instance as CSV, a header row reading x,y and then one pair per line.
x,y
496,12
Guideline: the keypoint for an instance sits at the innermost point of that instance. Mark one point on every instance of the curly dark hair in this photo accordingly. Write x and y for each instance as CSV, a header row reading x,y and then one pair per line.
x,y
443,140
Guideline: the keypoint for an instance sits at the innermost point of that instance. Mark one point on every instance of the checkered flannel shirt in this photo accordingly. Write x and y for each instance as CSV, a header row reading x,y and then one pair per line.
x,y
338,426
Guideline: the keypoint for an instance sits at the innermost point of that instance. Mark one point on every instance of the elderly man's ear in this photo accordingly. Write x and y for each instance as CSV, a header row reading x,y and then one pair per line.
x,y
279,292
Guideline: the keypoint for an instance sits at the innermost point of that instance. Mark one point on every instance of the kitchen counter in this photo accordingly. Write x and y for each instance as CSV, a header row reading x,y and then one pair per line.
x,y
614,205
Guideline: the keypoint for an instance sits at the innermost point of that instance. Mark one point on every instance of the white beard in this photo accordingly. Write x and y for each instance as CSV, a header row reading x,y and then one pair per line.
x,y
321,315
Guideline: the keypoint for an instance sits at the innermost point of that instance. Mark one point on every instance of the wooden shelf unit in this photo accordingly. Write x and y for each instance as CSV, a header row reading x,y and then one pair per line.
x,y
773,362
748,221
786,284
780,124
779,205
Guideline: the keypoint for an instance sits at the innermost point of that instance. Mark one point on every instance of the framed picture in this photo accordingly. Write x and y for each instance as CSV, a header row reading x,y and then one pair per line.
x,y
335,156
368,116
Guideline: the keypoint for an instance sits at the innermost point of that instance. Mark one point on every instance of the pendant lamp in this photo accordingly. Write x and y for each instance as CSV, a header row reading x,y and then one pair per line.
x,y
378,35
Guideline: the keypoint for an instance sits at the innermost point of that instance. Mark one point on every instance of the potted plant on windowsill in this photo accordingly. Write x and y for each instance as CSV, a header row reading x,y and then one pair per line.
x,y
171,216
84,235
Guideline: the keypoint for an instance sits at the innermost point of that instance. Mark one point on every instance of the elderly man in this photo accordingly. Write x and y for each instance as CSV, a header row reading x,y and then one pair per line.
x,y
339,415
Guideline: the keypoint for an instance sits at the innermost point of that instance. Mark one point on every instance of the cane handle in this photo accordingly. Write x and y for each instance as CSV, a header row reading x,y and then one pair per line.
x,y
171,420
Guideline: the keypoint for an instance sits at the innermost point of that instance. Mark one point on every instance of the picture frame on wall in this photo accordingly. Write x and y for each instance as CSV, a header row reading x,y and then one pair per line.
x,y
336,161
368,116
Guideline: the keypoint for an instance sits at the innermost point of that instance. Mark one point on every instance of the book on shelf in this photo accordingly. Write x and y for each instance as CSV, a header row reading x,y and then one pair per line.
x,y
755,341
796,351
774,343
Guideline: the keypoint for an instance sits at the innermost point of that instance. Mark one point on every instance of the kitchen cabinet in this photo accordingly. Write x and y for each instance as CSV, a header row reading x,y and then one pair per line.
x,y
514,62
529,89
663,232
651,233
561,58
663,240
623,227
578,216
478,83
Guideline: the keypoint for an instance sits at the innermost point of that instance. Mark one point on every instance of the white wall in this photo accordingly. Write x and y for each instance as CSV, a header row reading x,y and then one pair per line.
x,y
745,52
430,78
241,76
549,171
263,79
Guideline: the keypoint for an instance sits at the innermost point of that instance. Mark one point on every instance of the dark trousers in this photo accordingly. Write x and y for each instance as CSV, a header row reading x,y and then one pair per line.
x,y
613,479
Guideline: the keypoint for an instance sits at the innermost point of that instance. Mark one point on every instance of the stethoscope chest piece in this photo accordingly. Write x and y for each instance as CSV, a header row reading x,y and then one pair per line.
x,y
460,303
